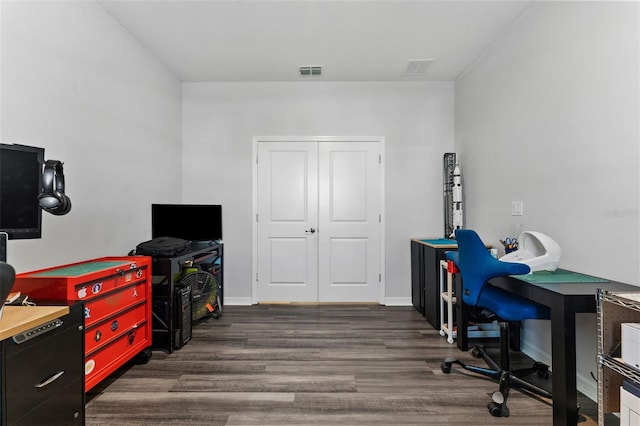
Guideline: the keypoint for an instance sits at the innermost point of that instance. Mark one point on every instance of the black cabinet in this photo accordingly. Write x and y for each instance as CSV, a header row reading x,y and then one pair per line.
x,y
43,373
426,255
417,276
170,315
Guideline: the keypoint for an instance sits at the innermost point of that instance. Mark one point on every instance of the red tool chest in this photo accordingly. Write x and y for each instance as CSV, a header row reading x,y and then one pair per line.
x,y
116,292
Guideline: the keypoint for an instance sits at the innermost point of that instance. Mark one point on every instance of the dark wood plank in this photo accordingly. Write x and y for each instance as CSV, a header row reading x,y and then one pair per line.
x,y
307,365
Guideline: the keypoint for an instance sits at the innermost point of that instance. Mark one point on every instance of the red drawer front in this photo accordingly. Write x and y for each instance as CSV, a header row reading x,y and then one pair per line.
x,y
102,334
109,358
83,280
99,308
90,290
116,292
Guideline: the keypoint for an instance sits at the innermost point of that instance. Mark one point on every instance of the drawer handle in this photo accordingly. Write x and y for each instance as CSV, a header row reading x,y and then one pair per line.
x,y
131,337
50,379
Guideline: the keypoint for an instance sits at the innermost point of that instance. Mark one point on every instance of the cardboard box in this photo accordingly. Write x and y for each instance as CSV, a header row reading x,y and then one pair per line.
x,y
630,338
629,408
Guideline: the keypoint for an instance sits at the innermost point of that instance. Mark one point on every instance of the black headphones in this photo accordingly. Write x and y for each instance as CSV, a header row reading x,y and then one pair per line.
x,y
52,198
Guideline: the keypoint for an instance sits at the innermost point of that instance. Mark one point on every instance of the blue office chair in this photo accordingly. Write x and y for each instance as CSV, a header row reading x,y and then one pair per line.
x,y
477,267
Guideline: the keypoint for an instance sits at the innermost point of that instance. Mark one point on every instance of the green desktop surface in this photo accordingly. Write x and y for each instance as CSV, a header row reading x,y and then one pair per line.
x,y
559,276
78,270
440,242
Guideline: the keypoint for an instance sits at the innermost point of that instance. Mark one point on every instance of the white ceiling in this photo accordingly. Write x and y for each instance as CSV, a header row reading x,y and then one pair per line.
x,y
354,40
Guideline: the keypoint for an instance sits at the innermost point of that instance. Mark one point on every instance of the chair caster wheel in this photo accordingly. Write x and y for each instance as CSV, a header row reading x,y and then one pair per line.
x,y
497,407
143,357
476,352
494,409
543,370
498,410
445,367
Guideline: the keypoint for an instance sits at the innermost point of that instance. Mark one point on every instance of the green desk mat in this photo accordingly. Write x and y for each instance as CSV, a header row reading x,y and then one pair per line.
x,y
78,270
440,242
559,276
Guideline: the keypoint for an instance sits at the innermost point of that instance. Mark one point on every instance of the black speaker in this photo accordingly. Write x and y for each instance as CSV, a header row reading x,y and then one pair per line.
x,y
52,199
182,324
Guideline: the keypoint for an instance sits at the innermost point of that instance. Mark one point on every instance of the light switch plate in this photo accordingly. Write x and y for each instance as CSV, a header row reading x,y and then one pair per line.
x,y
517,208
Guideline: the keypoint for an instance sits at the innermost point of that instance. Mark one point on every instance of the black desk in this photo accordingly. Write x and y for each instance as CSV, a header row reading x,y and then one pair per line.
x,y
426,255
564,300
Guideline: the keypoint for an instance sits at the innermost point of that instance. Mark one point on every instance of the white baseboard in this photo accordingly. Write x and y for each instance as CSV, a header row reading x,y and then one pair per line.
x,y
247,301
535,353
237,301
398,301
586,385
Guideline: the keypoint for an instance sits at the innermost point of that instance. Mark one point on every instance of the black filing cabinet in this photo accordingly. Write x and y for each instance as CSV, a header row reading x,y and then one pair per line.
x,y
426,255
417,276
43,374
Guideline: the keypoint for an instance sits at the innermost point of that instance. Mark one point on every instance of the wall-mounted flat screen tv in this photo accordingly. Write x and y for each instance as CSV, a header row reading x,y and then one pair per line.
x,y
20,186
193,222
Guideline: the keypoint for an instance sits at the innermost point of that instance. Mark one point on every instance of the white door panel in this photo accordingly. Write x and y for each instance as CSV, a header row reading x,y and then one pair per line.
x,y
347,174
318,230
349,208
348,261
288,186
288,263
287,209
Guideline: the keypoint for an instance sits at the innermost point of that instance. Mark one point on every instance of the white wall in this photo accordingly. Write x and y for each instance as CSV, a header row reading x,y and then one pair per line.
x,y
76,83
550,116
221,119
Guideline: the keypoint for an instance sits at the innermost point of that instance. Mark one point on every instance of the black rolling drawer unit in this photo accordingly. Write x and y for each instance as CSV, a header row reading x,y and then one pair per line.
x,y
43,375
426,255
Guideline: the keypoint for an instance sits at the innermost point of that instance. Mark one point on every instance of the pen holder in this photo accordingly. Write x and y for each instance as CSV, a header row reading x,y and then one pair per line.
x,y
510,244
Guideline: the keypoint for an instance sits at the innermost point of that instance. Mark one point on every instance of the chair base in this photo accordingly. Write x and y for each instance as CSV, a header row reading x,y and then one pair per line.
x,y
506,379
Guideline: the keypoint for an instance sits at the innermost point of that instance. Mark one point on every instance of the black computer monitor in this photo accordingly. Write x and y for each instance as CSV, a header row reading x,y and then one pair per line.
x,y
193,222
20,186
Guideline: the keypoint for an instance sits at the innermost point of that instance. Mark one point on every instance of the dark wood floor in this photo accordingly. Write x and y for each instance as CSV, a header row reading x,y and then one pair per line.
x,y
309,365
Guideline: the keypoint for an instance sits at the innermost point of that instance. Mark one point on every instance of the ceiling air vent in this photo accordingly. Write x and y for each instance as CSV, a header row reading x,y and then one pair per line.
x,y
417,67
310,71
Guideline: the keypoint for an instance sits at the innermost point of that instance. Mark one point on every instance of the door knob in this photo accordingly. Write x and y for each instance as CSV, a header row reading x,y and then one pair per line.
x,y
310,231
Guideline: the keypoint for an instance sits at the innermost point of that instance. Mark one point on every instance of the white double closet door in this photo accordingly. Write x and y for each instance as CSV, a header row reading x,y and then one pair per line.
x,y
318,221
